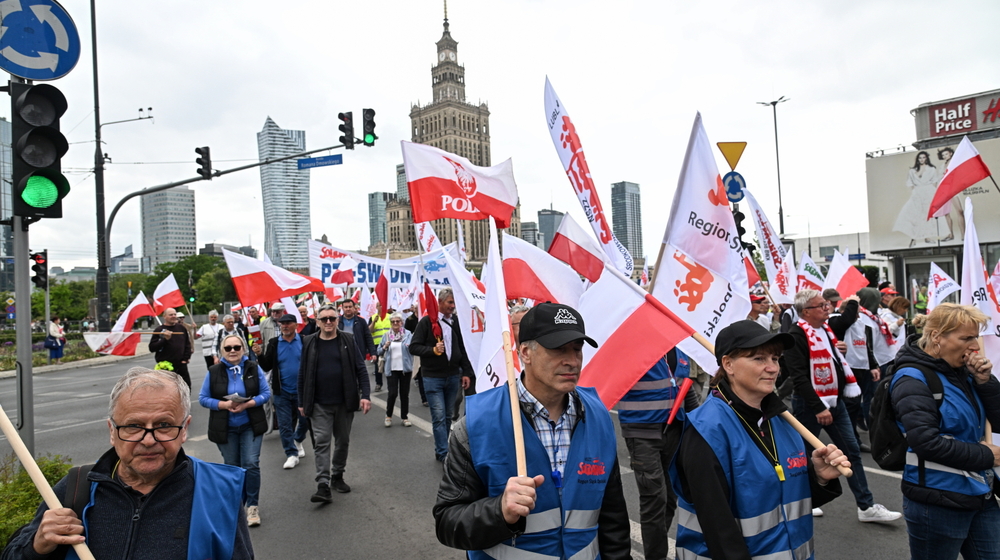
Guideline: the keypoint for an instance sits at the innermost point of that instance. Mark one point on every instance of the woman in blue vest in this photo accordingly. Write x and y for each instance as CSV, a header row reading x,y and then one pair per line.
x,y
745,486
237,425
949,484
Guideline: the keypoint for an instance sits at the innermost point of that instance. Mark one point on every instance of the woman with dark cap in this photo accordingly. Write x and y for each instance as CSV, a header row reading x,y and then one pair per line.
x,y
745,485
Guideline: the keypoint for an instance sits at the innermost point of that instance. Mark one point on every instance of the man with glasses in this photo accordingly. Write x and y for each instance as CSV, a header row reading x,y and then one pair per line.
x,y
823,380
331,376
269,327
351,322
190,509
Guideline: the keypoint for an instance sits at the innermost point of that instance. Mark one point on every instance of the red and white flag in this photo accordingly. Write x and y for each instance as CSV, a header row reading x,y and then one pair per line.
x,y
965,169
491,367
810,277
426,237
995,279
444,185
772,252
574,246
139,307
113,343
703,275
344,273
368,306
977,290
915,290
167,294
530,272
257,281
333,295
644,279
843,276
570,150
624,321
382,286
939,286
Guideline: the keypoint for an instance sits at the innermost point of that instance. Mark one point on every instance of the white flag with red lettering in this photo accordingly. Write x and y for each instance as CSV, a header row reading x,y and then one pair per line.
x,y
167,294
426,237
113,343
530,272
570,150
491,367
772,252
939,286
810,277
977,290
139,307
574,246
444,185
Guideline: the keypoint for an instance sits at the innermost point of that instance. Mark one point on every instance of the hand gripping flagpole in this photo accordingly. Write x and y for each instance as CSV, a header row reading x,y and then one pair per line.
x,y
36,475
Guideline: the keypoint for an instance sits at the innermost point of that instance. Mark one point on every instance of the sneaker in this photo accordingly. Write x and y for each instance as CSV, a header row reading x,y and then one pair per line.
x,y
323,494
388,422
253,516
407,423
865,447
340,486
877,514
817,512
291,462
301,448
425,403
378,388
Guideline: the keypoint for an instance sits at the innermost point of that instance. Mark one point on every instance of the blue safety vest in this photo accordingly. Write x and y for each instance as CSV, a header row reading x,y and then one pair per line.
x,y
961,420
215,511
651,399
776,516
559,526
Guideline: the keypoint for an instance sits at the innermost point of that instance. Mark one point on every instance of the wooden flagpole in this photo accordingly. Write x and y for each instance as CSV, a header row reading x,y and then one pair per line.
x,y
515,407
36,475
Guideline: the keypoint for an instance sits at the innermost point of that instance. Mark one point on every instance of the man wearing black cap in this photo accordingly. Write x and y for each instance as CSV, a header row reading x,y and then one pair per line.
x,y
571,504
282,357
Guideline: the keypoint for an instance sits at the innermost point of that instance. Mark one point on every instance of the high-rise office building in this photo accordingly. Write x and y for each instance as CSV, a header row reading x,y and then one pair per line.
x,y
530,233
377,232
548,224
626,216
285,190
454,125
6,202
402,191
168,225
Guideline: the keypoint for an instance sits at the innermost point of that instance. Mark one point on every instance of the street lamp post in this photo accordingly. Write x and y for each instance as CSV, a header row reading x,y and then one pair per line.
x,y
777,161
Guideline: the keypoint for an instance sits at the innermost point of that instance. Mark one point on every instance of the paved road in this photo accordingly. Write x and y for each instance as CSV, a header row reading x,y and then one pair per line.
x,y
392,472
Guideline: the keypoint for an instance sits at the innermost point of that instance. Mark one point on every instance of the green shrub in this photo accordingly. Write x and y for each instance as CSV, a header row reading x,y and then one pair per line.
x,y
18,497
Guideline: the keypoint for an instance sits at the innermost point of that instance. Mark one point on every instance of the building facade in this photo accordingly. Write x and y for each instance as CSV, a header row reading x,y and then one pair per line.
x,y
126,263
450,123
530,233
402,191
548,224
285,196
215,249
168,225
626,216
377,201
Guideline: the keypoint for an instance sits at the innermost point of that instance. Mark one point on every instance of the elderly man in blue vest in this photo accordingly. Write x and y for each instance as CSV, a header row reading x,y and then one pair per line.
x,y
190,508
571,505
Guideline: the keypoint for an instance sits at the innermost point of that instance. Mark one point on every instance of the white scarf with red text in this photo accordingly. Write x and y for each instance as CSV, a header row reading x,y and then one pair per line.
x,y
823,372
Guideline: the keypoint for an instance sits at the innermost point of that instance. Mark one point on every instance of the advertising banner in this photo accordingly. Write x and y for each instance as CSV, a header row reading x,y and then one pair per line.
x,y
325,259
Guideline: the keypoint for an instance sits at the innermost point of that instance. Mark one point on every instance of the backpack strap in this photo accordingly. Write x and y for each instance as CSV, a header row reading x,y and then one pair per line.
x,y
933,381
78,489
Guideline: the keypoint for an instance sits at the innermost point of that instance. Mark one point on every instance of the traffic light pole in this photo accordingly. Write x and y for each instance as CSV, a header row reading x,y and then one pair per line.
x,y
102,283
22,336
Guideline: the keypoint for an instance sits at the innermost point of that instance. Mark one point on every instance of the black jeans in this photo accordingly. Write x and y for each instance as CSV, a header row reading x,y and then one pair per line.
x,y
209,361
650,459
399,384
182,370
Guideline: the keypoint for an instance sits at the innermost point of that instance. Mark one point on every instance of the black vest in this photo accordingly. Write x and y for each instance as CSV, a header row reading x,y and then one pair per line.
x,y
218,420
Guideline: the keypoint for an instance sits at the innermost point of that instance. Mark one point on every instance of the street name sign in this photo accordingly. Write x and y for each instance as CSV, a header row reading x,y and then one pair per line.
x,y
322,161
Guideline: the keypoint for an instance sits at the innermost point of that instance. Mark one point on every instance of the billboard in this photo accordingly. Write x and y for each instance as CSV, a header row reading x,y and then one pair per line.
x,y
901,187
958,116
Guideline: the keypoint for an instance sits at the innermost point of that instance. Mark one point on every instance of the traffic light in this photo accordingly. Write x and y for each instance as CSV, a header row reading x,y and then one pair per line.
x,y
348,129
368,126
36,174
205,161
739,217
41,269
194,296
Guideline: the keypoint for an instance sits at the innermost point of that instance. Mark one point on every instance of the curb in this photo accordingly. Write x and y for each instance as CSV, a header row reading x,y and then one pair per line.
x,y
140,351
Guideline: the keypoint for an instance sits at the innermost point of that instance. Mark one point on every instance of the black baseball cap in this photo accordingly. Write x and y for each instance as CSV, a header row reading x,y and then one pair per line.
x,y
553,325
746,334
288,318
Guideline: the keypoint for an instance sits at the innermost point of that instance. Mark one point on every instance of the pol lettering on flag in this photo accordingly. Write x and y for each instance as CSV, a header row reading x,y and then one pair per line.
x,y
444,185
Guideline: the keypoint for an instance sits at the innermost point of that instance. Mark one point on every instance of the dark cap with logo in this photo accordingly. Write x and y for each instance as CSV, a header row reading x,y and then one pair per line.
x,y
553,325
288,318
744,335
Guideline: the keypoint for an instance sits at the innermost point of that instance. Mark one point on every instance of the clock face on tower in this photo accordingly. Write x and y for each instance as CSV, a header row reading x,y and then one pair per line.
x,y
451,55
442,56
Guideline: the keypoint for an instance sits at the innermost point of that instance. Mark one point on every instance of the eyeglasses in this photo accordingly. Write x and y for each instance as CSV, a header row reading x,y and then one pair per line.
x,y
396,322
825,305
327,319
232,348
134,433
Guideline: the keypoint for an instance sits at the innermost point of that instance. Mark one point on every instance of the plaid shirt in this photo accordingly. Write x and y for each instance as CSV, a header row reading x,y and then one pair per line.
x,y
556,435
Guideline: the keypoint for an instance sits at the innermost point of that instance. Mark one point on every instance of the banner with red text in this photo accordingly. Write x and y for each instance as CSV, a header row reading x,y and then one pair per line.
x,y
781,284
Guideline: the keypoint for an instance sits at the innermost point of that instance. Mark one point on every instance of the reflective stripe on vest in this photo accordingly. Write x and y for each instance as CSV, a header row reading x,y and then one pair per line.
x,y
581,518
379,328
914,461
650,399
803,552
755,525
542,521
505,552
646,405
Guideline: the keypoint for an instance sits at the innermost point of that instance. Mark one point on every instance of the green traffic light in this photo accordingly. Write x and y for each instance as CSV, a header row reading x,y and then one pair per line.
x,y
369,138
40,192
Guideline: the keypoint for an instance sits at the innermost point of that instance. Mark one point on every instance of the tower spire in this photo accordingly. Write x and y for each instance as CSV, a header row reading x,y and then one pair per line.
x,y
445,16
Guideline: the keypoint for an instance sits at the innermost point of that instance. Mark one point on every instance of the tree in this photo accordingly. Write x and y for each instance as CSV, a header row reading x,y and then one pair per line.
x,y
214,288
119,290
199,265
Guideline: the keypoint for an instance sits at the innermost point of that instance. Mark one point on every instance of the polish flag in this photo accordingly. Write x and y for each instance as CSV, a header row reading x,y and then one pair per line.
x,y
344,273
530,272
426,237
356,297
915,290
256,281
618,313
444,185
644,279
844,277
139,307
965,169
491,367
810,278
575,247
939,286
113,343
753,277
382,286
333,295
167,294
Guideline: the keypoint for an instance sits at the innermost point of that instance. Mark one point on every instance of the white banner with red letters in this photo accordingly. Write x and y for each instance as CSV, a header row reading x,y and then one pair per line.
x,y
782,285
325,260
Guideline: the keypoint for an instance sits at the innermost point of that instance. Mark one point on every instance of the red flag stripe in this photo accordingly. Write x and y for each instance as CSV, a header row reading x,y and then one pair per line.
x,y
966,174
434,197
851,282
259,287
582,261
521,281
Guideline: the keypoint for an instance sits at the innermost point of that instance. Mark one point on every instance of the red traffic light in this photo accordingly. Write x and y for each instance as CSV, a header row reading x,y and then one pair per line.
x,y
38,258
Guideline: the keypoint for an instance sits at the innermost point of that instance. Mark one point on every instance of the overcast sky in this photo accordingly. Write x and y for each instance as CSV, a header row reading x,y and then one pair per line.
x,y
632,74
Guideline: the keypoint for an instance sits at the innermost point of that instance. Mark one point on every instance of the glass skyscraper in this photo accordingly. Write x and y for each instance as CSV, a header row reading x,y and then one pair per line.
x,y
168,225
285,196
626,216
376,216
548,224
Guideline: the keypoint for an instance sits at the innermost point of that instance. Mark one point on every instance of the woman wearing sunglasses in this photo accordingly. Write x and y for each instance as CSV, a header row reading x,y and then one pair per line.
x,y
234,391
395,346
